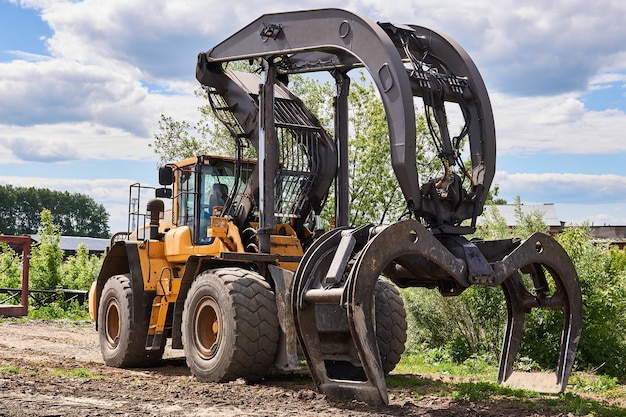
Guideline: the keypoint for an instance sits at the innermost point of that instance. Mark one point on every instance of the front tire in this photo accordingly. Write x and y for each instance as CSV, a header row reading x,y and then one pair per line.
x,y
229,326
122,340
391,324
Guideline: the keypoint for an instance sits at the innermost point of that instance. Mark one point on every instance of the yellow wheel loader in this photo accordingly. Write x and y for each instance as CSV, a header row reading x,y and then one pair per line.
x,y
240,275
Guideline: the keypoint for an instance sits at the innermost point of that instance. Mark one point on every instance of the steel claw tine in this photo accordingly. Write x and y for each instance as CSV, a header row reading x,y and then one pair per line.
x,y
514,329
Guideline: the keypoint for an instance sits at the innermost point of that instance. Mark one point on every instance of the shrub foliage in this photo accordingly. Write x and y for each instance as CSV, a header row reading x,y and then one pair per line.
x,y
473,323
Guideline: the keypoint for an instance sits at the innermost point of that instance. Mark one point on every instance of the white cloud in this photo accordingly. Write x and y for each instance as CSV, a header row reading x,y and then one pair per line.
x,y
578,198
60,90
568,187
64,142
601,80
558,124
77,111
597,214
532,47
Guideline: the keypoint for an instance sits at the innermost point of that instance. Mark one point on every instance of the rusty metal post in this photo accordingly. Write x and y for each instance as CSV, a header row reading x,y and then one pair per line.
x,y
22,308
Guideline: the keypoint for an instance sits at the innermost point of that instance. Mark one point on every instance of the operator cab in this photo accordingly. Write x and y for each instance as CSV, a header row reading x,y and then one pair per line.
x,y
202,188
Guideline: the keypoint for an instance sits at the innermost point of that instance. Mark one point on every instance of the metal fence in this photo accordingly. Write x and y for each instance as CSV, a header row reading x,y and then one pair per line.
x,y
40,298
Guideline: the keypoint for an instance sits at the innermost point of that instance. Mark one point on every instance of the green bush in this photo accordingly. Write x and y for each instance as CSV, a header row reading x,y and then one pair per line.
x,y
10,267
60,310
464,326
473,323
602,274
80,270
48,270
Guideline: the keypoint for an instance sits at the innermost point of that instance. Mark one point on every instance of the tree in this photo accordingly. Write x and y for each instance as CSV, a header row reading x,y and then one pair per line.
x,y
75,214
375,195
46,257
174,141
493,225
374,192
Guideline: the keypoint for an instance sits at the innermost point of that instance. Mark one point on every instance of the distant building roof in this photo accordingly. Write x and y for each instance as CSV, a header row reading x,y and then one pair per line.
x,y
548,210
70,243
609,232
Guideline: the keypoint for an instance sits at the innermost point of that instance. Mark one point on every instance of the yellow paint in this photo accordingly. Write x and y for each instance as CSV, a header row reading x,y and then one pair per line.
x,y
93,301
284,241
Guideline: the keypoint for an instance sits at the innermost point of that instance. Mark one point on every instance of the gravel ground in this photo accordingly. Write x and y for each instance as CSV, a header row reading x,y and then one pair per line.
x,y
55,369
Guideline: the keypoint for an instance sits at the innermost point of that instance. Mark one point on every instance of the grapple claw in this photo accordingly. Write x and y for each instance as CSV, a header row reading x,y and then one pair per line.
x,y
321,321
334,292
540,257
349,301
332,297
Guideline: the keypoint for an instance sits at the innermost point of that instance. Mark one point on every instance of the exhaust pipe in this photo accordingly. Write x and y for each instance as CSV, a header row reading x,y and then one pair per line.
x,y
155,211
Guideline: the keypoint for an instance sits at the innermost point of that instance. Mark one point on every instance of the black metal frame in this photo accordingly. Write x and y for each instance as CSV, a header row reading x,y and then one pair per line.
x,y
404,62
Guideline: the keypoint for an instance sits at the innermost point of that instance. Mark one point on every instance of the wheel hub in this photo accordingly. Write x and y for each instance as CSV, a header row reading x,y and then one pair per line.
x,y
208,327
112,323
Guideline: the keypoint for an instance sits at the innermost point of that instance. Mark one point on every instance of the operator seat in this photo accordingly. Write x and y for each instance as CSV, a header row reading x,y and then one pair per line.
x,y
218,196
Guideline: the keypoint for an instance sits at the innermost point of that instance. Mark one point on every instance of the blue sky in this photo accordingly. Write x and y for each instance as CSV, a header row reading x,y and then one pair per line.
x,y
83,85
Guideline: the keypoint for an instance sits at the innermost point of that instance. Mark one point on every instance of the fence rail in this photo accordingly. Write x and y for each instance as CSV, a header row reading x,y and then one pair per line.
x,y
40,298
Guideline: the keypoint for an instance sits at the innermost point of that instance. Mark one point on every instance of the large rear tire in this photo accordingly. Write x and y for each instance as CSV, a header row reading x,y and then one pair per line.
x,y
229,326
390,324
122,340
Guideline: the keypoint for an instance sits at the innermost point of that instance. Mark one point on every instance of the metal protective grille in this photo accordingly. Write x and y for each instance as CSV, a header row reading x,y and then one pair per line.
x,y
298,142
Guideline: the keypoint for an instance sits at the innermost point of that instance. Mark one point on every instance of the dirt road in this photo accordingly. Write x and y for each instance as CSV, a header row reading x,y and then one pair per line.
x,y
55,369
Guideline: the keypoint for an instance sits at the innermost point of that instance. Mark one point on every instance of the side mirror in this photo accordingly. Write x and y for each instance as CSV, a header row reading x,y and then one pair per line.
x,y
163,193
166,175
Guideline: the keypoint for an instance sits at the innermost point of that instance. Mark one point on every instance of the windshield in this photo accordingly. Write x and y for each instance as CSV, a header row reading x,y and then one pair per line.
x,y
216,184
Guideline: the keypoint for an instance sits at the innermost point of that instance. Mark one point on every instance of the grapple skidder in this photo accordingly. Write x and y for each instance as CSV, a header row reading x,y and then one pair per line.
x,y
328,302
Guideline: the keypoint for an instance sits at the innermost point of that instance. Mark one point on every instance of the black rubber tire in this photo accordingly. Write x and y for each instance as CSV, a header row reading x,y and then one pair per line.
x,y
122,341
390,324
229,326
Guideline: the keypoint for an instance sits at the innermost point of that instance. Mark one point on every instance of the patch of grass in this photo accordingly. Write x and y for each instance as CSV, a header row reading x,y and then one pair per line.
x,y
581,406
485,391
568,402
411,382
589,395
13,319
11,369
81,373
16,370
437,362
592,383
